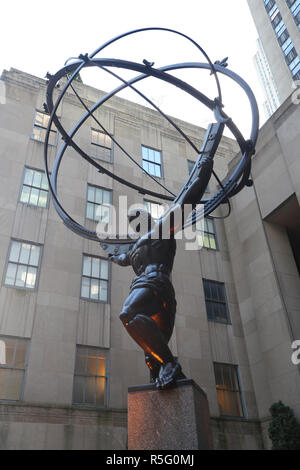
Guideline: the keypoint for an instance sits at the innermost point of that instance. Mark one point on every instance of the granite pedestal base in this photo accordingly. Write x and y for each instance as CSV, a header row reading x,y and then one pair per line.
x,y
172,419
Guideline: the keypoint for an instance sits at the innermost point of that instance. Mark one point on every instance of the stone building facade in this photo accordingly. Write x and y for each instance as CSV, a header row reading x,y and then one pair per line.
x,y
278,26
65,359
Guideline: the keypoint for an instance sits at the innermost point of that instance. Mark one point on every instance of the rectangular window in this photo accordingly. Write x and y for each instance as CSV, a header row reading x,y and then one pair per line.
x,y
90,378
215,300
275,22
152,163
94,282
35,188
13,359
154,208
228,390
98,204
101,146
40,125
23,264
206,233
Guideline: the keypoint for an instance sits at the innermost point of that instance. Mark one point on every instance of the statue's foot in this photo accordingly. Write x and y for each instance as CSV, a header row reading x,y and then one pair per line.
x,y
169,373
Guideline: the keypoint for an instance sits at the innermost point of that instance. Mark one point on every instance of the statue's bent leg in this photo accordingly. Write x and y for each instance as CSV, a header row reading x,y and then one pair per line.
x,y
151,328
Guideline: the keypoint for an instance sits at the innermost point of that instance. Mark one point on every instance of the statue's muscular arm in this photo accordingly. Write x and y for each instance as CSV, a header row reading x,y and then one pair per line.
x,y
121,260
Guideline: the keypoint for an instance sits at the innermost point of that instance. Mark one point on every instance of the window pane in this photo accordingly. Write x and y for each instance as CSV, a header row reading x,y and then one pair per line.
x,y
34,255
11,274
87,266
212,243
91,194
101,366
43,198
95,267
104,214
103,291
90,211
81,361
25,252
21,276
85,288
44,184
34,196
31,278
90,390
145,153
98,196
100,391
15,251
92,364
37,179
28,177
15,384
4,380
106,197
104,269
25,194
10,344
94,289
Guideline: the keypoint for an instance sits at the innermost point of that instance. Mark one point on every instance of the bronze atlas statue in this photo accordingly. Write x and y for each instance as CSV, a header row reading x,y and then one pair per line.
x,y
148,313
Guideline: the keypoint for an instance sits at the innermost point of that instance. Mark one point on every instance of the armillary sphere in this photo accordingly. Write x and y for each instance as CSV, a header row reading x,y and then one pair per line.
x,y
235,183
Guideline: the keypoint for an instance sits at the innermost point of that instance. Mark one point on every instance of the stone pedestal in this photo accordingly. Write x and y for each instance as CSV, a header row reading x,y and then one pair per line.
x,y
172,419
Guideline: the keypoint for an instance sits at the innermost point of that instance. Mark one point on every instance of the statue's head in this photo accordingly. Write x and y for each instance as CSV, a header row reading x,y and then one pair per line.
x,y
140,220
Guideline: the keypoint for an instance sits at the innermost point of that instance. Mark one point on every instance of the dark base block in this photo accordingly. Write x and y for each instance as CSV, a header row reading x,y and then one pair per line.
x,y
172,419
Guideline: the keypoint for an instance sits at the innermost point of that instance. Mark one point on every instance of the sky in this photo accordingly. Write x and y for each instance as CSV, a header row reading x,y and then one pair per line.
x,y
37,37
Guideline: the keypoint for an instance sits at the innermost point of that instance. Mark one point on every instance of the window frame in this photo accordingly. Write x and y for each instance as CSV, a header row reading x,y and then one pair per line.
x,y
27,289
88,299
6,400
153,163
214,233
21,189
45,128
225,302
234,367
95,203
103,146
106,377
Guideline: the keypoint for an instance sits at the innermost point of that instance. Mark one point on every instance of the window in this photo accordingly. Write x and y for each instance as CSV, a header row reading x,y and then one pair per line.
x,y
206,233
94,283
98,204
90,378
154,208
270,5
40,124
228,390
275,22
35,188
291,56
152,161
23,263
101,146
283,37
13,354
215,300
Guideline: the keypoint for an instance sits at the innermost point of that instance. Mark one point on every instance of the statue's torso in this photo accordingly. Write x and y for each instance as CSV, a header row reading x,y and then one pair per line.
x,y
154,255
